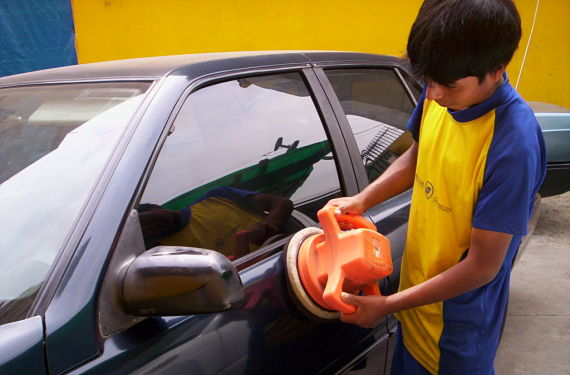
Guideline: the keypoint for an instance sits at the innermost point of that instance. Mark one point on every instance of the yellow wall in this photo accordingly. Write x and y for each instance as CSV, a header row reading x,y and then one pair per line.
x,y
545,76
119,29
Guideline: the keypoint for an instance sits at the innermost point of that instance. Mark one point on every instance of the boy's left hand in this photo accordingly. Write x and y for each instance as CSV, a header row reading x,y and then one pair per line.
x,y
369,310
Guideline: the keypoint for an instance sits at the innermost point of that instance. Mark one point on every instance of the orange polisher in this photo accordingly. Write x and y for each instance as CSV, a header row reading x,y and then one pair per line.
x,y
346,255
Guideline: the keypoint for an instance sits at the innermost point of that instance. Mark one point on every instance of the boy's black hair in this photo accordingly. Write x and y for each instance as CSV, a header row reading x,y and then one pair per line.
x,y
453,39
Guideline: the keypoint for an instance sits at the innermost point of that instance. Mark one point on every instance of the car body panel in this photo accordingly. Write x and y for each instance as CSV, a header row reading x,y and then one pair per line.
x,y
226,342
22,344
556,130
555,124
554,120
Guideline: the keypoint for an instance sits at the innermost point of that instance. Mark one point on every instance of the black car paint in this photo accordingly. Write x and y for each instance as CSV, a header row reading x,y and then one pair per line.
x,y
25,352
68,299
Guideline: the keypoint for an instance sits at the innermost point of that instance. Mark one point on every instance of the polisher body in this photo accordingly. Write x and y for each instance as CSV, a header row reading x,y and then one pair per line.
x,y
338,260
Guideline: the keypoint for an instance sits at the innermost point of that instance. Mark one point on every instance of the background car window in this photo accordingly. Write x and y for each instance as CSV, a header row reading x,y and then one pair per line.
x,y
54,142
242,155
377,108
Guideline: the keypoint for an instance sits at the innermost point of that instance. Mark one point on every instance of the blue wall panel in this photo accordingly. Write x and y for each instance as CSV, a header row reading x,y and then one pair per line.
x,y
35,34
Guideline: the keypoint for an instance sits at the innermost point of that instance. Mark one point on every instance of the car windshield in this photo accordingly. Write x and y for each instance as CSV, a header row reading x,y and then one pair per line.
x,y
54,143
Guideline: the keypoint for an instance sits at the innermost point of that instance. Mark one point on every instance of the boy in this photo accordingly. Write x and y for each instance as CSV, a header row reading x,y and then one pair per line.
x,y
476,166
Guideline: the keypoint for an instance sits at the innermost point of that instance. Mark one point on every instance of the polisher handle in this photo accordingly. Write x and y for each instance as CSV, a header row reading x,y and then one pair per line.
x,y
333,290
371,290
335,224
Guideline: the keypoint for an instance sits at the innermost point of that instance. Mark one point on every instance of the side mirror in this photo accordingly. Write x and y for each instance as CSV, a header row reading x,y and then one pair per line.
x,y
171,280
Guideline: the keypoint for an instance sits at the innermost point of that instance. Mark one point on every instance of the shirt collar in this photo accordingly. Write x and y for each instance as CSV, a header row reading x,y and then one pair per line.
x,y
500,96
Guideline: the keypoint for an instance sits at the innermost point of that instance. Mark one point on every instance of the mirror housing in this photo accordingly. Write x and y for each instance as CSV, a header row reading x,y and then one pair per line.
x,y
173,280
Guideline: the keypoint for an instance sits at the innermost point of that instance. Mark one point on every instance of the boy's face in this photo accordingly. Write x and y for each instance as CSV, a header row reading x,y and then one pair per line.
x,y
465,92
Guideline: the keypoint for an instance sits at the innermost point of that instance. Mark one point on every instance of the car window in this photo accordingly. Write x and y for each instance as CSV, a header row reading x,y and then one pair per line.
x,y
54,143
246,156
377,108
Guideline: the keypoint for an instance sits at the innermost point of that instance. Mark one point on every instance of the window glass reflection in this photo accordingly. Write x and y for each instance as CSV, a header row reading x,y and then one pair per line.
x,y
247,156
377,108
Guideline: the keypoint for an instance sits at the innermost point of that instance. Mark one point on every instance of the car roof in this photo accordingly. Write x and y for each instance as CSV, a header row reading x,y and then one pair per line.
x,y
152,68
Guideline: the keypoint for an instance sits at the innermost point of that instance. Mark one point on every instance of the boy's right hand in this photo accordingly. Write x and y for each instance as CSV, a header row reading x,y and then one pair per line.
x,y
348,205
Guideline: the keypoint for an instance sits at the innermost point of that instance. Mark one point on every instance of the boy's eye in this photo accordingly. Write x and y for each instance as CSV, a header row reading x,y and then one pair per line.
x,y
448,86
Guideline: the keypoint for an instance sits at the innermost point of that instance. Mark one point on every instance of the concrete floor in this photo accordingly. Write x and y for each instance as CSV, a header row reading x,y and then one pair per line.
x,y
536,339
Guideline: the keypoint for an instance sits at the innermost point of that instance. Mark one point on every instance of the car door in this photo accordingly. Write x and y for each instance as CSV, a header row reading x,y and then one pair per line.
x,y
238,145
373,104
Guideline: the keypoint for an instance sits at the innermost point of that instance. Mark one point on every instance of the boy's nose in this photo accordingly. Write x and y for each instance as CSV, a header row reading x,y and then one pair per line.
x,y
435,91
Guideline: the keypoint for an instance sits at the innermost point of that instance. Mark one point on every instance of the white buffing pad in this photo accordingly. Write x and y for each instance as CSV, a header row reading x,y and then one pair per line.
x,y
294,279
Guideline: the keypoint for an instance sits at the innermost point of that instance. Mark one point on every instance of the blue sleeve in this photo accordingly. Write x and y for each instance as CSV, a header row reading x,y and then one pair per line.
x,y
231,193
415,121
514,172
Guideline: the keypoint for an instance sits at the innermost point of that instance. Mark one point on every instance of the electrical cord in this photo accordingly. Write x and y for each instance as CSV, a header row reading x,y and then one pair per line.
x,y
527,44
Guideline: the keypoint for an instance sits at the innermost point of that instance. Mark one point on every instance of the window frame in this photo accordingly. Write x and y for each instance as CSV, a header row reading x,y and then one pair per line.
x,y
407,79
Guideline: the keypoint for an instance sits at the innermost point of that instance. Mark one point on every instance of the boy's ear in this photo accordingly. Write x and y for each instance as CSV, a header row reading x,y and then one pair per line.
x,y
496,75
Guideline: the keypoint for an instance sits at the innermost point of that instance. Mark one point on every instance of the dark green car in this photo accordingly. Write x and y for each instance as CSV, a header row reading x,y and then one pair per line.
x,y
255,143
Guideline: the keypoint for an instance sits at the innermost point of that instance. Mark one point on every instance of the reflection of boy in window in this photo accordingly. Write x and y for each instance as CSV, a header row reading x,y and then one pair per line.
x,y
229,220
